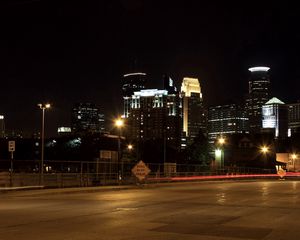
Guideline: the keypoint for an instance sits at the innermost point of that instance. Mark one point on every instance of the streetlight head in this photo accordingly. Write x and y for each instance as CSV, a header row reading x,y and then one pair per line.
x,y
221,140
44,106
264,149
119,122
130,147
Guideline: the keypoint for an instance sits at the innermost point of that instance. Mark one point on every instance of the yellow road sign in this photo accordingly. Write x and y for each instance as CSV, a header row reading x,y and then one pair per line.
x,y
140,170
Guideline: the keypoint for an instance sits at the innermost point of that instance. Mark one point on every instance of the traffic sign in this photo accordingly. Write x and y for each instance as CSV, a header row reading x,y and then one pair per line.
x,y
11,146
140,170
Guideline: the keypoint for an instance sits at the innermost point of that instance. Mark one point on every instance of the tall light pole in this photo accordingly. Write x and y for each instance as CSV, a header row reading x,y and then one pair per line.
x,y
221,142
43,107
119,123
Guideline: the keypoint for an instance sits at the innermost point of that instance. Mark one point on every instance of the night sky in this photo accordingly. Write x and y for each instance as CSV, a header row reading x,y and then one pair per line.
x,y
68,51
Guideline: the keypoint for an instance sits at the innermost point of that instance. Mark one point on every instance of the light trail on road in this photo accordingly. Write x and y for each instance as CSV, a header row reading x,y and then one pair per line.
x,y
228,176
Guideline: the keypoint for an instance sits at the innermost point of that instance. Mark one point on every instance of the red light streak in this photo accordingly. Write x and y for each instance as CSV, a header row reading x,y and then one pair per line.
x,y
230,176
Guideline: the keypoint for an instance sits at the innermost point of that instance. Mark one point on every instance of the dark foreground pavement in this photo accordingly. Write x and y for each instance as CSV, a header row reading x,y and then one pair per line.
x,y
205,210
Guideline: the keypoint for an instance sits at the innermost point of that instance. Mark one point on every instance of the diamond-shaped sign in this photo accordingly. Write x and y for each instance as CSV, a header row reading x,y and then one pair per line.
x,y
140,170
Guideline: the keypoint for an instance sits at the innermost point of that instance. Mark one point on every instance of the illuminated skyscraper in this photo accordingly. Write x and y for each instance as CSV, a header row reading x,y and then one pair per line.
x,y
132,82
294,118
226,119
194,117
154,114
275,116
86,118
259,91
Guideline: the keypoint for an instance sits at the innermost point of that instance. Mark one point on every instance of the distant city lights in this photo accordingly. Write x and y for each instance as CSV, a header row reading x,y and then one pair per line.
x,y
64,130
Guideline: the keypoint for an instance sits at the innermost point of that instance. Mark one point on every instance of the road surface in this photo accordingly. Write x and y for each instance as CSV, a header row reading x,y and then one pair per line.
x,y
189,211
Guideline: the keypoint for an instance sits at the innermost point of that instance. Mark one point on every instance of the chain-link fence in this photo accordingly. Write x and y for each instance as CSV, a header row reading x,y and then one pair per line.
x,y
83,173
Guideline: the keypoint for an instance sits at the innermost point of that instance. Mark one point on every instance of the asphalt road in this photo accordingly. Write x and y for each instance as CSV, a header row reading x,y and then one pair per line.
x,y
205,210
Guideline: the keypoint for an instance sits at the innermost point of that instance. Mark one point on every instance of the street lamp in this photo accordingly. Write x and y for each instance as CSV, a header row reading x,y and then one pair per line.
x,y
221,141
129,147
119,123
219,152
43,106
264,149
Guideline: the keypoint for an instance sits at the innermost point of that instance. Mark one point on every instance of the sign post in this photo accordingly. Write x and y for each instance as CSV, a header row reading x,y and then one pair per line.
x,y
140,170
11,149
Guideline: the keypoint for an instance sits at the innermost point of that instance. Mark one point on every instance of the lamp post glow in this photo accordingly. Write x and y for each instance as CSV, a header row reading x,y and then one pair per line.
x,y
219,152
221,141
119,123
294,157
129,147
264,149
42,107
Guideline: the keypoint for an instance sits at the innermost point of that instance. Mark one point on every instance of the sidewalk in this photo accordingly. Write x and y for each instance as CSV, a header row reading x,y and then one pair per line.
x,y
40,190
6,189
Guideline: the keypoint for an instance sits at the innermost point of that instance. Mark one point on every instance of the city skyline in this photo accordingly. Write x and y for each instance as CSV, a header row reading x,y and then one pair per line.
x,y
67,53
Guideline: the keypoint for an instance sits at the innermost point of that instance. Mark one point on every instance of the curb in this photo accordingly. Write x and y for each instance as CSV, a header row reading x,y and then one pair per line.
x,y
40,190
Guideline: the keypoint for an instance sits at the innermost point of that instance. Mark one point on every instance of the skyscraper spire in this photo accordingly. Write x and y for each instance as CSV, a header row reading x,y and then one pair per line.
x,y
259,92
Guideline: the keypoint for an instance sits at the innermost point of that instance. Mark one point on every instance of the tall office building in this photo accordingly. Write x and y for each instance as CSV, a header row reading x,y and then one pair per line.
x,y
294,118
259,91
275,117
86,118
226,119
155,114
132,82
194,117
